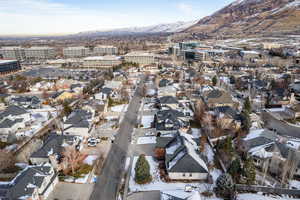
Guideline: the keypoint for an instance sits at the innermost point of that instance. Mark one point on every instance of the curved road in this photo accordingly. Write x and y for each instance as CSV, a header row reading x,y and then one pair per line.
x,y
107,185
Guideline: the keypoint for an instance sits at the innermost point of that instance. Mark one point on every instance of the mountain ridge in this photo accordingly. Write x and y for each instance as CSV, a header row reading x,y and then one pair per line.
x,y
251,17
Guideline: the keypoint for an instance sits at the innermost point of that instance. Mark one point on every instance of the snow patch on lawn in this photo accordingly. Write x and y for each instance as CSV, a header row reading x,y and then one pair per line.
x,y
248,196
209,153
157,183
90,159
146,140
196,133
147,120
119,108
83,179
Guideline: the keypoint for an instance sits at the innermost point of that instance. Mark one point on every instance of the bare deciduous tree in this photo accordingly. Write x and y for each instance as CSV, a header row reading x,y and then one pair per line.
x,y
72,159
6,160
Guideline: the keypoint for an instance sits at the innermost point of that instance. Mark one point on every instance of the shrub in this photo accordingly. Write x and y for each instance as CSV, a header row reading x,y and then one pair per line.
x,y
142,171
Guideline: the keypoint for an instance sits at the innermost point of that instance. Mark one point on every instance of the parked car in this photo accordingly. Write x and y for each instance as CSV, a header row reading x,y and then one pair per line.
x,y
92,144
96,140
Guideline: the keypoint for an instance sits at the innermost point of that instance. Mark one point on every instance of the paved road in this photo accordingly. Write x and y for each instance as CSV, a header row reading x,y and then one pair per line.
x,y
110,177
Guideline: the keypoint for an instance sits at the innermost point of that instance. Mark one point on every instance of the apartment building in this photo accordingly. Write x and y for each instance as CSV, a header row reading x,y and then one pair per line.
x,y
14,52
103,62
8,66
20,53
141,58
81,51
39,53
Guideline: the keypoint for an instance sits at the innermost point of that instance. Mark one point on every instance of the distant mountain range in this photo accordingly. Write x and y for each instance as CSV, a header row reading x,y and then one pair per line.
x,y
238,19
161,28
252,17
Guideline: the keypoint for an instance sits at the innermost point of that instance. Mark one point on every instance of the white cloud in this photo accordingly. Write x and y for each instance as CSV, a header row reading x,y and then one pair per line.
x,y
185,8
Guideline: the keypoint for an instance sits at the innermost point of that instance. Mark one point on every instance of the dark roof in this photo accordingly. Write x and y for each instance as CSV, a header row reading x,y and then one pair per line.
x,y
54,144
7,123
227,110
187,164
214,94
23,99
162,142
12,110
75,86
257,141
56,94
78,118
20,187
168,100
164,117
106,90
163,83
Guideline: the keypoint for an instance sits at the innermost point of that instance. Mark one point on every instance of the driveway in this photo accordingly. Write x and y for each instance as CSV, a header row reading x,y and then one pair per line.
x,y
71,191
153,195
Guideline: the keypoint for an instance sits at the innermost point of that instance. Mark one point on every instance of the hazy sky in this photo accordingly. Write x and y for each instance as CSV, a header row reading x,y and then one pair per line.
x,y
71,16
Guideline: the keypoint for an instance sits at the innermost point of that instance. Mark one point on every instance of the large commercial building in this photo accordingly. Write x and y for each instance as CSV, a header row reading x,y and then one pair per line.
x,y
73,52
141,58
102,62
39,53
20,53
16,53
8,66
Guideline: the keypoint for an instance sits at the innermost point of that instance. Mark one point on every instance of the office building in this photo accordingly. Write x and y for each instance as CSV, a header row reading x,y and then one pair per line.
x,y
141,58
81,51
8,66
102,62
20,53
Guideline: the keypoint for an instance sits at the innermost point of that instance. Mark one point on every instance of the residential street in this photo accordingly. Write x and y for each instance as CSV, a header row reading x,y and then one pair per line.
x,y
108,182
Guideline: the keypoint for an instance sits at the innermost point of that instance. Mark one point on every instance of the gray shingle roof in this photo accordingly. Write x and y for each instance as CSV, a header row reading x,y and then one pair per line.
x,y
7,123
79,118
53,143
168,100
12,110
19,187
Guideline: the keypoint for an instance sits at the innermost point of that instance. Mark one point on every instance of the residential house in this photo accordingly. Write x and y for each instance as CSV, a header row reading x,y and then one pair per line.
x,y
79,123
182,158
166,121
12,119
52,149
217,98
65,96
169,102
32,183
169,90
229,114
30,102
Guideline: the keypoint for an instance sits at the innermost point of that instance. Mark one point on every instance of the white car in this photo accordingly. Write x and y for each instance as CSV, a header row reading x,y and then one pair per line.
x,y
92,144
151,133
96,140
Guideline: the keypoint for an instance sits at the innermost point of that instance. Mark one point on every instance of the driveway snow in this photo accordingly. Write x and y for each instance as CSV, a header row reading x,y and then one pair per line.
x,y
146,140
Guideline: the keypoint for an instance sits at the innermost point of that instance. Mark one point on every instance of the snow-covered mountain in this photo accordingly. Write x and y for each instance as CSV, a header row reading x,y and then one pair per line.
x,y
160,28
252,17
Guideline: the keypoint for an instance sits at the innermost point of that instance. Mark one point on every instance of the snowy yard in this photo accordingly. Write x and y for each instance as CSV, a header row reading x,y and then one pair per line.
x,y
158,184
147,120
146,140
248,196
119,108
196,132
90,160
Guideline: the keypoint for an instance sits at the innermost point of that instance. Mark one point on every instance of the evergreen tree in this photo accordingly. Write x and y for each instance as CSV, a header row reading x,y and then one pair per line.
x,y
246,121
249,171
235,170
214,80
67,109
142,170
247,105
